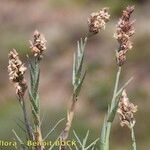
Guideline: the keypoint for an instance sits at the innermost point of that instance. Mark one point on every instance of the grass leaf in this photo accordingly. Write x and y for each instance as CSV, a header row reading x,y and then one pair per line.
x,y
53,128
80,84
85,139
19,139
93,143
77,138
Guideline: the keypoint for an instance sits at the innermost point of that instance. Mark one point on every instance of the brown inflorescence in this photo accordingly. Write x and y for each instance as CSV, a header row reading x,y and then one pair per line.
x,y
16,70
38,45
97,20
126,111
124,31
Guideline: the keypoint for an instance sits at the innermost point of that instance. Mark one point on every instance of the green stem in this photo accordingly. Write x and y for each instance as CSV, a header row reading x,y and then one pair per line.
x,y
35,102
108,127
133,139
116,88
109,124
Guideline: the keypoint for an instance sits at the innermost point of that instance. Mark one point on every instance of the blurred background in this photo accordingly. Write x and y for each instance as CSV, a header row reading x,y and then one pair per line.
x,y
63,23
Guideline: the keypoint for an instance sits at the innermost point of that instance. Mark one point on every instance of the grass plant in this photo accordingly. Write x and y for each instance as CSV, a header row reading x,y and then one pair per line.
x,y
119,103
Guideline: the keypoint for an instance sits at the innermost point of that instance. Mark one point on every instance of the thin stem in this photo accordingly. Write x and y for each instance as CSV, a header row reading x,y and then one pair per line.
x,y
108,124
133,139
116,88
108,127
70,116
28,127
37,122
35,101
77,83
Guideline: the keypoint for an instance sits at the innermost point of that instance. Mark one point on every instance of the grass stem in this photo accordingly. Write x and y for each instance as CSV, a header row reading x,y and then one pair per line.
x,y
113,102
26,121
116,88
133,139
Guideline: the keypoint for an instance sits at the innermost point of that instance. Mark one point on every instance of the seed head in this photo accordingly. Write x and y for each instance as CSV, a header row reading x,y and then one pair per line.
x,y
123,34
38,45
126,111
16,71
97,20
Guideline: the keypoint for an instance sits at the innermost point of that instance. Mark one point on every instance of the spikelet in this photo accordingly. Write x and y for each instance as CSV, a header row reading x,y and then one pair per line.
x,y
123,34
126,111
97,20
16,70
38,45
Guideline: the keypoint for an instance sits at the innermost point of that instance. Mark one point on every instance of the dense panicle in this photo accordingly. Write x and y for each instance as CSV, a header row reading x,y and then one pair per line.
x,y
97,20
126,111
38,45
124,31
16,70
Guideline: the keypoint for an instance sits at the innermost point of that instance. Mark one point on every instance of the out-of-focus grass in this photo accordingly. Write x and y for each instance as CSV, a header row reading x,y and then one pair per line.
x,y
16,41
99,95
141,50
9,113
139,92
116,6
